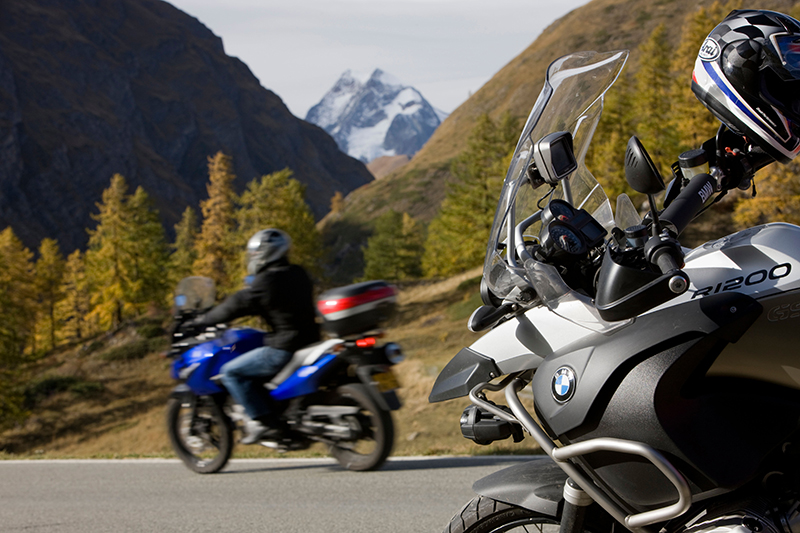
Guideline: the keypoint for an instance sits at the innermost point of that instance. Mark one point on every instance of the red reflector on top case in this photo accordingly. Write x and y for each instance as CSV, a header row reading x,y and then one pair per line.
x,y
366,343
340,304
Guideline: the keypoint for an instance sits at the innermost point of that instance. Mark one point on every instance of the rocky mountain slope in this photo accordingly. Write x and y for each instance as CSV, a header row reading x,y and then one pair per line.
x,y
375,116
89,88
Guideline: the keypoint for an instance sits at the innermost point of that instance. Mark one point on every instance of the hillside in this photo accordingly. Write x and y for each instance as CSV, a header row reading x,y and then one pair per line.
x,y
419,187
137,87
107,397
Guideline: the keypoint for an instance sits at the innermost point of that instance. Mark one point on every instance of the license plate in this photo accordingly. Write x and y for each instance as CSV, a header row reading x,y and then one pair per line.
x,y
386,381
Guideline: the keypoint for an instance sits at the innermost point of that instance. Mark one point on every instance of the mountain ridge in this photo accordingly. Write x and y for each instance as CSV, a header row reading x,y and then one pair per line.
x,y
89,88
375,116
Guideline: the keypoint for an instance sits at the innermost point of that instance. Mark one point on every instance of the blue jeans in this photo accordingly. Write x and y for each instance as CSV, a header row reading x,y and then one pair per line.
x,y
243,377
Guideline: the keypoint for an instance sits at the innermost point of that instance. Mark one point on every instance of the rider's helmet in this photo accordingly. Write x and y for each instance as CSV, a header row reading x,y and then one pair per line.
x,y
265,247
748,75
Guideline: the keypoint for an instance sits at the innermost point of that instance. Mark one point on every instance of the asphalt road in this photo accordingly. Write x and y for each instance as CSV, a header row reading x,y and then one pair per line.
x,y
276,495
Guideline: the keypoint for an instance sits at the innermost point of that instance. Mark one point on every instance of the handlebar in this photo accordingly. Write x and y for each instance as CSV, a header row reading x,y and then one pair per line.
x,y
689,202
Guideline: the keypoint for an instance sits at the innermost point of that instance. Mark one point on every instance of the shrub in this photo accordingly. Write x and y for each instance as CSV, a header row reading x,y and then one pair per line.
x,y
134,350
149,331
38,390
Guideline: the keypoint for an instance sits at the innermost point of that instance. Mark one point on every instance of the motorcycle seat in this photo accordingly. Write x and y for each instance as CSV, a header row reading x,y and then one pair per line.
x,y
302,357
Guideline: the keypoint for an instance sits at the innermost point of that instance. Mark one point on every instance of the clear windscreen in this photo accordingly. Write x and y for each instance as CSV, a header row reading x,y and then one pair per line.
x,y
195,293
571,100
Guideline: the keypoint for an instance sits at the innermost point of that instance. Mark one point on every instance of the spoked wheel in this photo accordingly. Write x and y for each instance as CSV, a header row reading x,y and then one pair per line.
x,y
485,515
372,426
201,434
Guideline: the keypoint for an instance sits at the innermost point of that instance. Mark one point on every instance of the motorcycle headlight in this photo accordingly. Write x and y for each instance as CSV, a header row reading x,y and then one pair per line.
x,y
394,353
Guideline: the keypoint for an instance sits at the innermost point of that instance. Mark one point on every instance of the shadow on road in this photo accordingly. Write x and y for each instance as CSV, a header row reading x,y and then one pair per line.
x,y
392,465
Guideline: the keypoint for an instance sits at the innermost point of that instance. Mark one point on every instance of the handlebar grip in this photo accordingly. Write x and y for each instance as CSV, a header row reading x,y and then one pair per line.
x,y
666,263
689,202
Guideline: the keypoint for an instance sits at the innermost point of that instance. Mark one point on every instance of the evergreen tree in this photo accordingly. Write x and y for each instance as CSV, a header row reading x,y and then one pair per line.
x,y
73,310
107,267
278,201
218,252
606,156
126,257
337,202
49,277
148,253
457,235
651,101
17,299
184,253
778,198
394,251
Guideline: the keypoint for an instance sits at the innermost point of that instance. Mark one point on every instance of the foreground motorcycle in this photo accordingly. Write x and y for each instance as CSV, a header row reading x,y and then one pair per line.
x,y
339,391
665,380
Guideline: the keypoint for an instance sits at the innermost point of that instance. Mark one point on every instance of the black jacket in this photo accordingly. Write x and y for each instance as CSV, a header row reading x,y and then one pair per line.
x,y
282,294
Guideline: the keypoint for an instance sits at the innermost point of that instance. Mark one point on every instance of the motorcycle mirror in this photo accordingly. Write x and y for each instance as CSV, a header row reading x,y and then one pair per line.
x,y
554,157
640,172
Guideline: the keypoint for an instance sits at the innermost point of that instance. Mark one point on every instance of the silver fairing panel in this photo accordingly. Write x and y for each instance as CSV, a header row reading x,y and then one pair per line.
x,y
762,262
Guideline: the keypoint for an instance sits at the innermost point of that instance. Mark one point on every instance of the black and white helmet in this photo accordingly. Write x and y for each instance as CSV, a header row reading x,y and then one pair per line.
x,y
265,247
748,75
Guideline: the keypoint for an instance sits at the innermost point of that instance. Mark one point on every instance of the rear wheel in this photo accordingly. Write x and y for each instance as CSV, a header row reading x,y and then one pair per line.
x,y
485,515
372,426
200,433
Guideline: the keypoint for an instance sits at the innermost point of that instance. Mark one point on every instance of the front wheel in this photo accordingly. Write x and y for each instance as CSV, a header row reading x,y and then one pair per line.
x,y
485,515
200,433
372,427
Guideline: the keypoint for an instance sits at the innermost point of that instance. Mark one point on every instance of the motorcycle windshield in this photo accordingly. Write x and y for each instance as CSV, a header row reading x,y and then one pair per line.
x,y
195,293
571,100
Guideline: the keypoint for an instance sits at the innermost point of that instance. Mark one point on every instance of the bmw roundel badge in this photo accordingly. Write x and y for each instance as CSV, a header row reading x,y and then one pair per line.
x,y
563,386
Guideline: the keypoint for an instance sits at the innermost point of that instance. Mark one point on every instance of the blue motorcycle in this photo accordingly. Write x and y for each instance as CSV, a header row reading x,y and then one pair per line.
x,y
339,392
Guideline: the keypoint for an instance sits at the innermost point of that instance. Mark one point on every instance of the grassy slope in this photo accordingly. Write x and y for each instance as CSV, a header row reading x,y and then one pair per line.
x,y
126,417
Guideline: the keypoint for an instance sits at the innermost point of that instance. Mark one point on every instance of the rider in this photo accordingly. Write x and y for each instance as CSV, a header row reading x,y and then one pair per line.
x,y
281,293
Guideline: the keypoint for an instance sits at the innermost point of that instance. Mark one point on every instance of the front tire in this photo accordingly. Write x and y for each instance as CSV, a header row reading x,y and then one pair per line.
x,y
485,515
373,426
201,435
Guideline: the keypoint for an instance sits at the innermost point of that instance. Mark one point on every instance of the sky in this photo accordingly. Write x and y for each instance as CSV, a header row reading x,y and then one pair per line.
x,y
446,49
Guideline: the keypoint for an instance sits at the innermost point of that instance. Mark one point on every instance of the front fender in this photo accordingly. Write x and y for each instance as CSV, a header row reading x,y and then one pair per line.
x,y
182,392
537,485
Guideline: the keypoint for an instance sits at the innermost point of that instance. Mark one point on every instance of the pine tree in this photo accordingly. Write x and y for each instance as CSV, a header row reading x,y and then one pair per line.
x,y
126,257
606,156
394,251
218,252
651,101
184,253
337,202
778,198
17,299
106,257
73,310
457,235
148,253
278,201
49,277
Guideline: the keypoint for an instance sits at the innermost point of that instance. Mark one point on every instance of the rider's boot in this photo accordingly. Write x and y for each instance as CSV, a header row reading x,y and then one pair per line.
x,y
262,429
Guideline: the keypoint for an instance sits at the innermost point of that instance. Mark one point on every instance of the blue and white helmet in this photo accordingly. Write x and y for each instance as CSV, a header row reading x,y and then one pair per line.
x,y
266,247
748,75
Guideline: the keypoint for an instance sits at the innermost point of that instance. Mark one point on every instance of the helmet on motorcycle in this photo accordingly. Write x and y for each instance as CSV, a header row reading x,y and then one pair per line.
x,y
747,74
265,247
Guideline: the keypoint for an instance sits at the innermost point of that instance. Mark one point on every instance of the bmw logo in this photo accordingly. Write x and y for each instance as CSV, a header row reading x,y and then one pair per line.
x,y
563,386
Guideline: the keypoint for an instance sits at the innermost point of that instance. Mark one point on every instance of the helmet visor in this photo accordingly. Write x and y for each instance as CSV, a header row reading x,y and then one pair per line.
x,y
788,48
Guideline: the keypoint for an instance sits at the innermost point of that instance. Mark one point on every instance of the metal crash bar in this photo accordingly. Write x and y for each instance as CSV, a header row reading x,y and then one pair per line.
x,y
561,456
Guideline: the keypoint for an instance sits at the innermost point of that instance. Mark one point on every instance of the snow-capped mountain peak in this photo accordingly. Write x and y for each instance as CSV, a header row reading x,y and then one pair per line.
x,y
375,116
